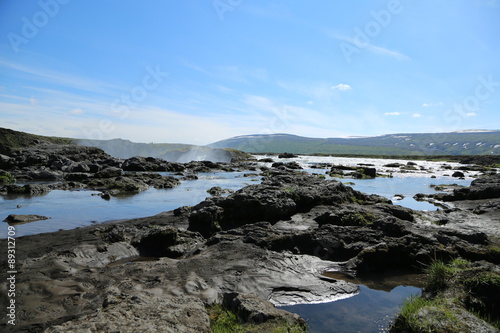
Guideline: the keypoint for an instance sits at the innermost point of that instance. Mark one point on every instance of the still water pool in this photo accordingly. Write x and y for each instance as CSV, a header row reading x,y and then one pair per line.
x,y
370,311
72,209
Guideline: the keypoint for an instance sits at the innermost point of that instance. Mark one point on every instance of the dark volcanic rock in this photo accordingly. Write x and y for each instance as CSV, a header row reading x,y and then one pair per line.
x,y
28,189
169,242
13,218
481,160
278,197
109,172
370,172
287,155
393,165
217,191
290,165
131,183
44,174
139,163
458,174
485,188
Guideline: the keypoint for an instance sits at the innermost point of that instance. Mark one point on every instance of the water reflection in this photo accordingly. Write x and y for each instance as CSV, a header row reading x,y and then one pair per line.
x,y
372,310
77,208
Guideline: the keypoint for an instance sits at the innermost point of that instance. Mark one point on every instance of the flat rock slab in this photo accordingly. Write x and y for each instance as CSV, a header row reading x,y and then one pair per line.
x,y
14,218
142,314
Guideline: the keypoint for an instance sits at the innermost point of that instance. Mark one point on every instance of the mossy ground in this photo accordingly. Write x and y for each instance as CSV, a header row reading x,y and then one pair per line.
x,y
224,321
454,291
7,178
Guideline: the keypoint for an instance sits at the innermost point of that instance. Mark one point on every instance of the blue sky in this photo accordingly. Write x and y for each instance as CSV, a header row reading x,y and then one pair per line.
x,y
198,71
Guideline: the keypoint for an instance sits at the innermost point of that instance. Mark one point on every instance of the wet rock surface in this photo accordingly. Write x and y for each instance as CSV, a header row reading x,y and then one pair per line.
x,y
14,218
266,242
77,167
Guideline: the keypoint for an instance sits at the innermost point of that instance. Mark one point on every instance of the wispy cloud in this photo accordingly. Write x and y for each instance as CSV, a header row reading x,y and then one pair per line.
x,y
428,105
368,46
416,115
318,91
392,113
342,87
63,79
240,73
191,65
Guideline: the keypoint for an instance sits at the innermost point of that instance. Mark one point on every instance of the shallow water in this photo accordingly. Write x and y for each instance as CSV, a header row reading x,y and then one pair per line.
x,y
369,311
72,209
408,187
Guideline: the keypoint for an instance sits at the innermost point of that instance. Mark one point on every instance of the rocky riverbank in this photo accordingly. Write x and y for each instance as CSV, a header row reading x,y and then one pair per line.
x,y
77,167
269,242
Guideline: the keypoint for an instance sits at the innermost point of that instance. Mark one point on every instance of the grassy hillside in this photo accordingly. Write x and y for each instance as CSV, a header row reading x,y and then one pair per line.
x,y
456,143
10,139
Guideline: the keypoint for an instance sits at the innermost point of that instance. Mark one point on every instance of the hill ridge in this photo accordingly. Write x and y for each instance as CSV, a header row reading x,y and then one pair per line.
x,y
469,142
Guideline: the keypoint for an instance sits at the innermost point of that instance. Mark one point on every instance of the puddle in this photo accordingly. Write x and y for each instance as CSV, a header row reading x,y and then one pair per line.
x,y
372,310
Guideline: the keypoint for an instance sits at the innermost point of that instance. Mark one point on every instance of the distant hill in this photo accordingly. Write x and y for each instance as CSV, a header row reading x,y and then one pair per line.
x,y
10,139
454,143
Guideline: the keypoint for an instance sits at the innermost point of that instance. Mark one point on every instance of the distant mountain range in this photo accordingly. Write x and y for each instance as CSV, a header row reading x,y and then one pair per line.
x,y
477,142
474,142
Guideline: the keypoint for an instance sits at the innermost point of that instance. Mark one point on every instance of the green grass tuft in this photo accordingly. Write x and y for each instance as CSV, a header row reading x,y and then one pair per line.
x,y
225,321
421,315
7,178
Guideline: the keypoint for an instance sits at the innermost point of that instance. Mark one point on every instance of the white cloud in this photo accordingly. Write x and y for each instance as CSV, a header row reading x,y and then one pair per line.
x,y
342,87
416,115
471,114
428,105
392,113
